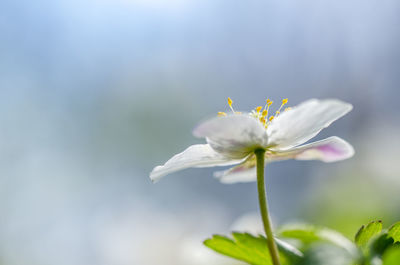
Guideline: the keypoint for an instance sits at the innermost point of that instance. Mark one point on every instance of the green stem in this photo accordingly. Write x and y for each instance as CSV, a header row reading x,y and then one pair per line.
x,y
262,198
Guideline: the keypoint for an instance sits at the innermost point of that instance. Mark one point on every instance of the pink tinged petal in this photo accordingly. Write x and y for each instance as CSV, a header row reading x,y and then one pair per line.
x,y
237,176
200,155
244,172
234,136
331,149
298,125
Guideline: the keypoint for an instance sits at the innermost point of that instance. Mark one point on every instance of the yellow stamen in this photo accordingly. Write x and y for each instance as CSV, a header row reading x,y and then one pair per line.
x,y
230,105
230,102
266,108
259,112
264,113
269,103
284,101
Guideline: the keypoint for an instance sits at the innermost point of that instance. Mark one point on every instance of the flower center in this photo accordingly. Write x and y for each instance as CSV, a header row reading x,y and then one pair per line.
x,y
262,114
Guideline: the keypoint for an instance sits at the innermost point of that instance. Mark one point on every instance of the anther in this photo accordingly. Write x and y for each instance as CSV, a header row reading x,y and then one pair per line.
x,y
221,114
264,113
230,102
284,101
230,105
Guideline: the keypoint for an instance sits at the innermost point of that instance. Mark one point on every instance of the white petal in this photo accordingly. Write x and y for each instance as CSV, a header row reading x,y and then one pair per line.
x,y
331,149
199,155
303,122
237,176
244,172
234,135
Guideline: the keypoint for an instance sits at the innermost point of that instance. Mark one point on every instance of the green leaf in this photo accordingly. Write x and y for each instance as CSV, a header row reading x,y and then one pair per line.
x,y
365,233
392,256
308,234
394,232
251,249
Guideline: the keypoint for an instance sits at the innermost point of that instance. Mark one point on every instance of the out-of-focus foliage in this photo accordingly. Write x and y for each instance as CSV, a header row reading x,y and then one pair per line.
x,y
323,246
309,234
392,256
324,254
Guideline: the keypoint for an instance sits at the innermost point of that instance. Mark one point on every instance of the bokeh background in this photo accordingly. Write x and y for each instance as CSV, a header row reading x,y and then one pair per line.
x,y
94,94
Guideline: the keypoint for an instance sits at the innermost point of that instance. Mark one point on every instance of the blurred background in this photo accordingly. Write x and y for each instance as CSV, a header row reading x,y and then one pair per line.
x,y
94,94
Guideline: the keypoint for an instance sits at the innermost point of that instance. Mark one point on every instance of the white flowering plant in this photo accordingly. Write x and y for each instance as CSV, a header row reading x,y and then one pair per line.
x,y
248,142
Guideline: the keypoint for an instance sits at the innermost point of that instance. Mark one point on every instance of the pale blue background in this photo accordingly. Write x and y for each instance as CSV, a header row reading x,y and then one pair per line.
x,y
94,94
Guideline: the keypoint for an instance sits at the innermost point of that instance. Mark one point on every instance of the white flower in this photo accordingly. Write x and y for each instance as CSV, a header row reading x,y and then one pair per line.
x,y
232,139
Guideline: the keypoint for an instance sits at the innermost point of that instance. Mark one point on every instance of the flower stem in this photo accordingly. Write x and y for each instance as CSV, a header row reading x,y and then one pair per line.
x,y
262,198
